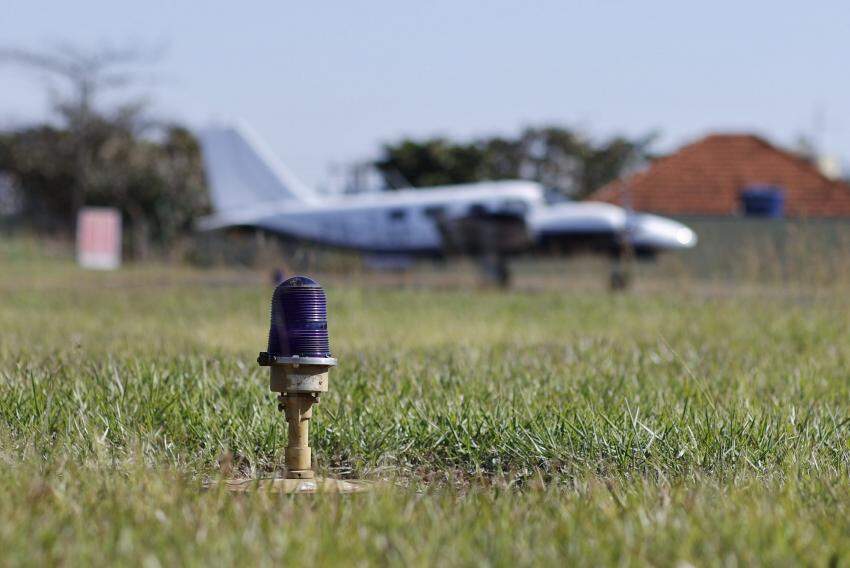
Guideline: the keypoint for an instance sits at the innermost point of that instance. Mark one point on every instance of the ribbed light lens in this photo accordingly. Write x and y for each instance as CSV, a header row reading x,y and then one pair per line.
x,y
299,319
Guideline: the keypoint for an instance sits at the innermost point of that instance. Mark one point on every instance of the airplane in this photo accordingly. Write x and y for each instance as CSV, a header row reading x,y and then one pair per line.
x,y
491,221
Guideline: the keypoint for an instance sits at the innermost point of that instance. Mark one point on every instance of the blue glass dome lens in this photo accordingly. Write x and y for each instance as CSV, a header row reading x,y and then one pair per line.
x,y
299,319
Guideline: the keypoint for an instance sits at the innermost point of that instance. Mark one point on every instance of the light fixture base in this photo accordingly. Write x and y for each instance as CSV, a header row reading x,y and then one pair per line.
x,y
293,486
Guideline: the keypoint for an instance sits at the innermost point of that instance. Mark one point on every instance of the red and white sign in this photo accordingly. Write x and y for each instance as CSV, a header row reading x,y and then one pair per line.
x,y
99,238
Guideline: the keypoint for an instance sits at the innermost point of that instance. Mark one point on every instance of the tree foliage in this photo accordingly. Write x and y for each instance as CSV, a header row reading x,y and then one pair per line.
x,y
157,184
559,158
117,156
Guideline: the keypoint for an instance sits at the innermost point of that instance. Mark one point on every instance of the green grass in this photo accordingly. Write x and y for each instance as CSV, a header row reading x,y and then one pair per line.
x,y
659,427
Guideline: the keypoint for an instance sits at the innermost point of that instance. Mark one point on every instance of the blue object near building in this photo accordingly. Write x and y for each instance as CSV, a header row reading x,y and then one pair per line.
x,y
763,201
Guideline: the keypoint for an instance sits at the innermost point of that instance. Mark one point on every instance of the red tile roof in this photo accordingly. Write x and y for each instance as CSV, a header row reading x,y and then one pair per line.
x,y
706,177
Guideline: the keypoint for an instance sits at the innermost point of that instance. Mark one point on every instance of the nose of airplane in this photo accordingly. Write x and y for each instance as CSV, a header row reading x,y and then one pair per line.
x,y
686,237
658,232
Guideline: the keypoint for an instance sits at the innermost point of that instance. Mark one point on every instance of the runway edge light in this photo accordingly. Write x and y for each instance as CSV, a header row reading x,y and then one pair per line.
x,y
299,360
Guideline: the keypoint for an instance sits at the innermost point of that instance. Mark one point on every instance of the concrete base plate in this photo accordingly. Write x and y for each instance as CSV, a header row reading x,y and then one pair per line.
x,y
284,485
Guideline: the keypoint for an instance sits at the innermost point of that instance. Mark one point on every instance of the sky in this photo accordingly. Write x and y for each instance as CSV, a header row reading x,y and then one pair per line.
x,y
326,83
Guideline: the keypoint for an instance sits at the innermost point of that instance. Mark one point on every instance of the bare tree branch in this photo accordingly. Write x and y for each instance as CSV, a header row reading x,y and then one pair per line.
x,y
89,73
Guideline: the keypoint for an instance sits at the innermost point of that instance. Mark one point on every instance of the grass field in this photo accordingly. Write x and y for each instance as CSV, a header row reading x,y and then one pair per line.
x,y
663,427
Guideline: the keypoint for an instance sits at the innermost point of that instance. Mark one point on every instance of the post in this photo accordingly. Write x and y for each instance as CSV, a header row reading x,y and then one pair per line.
x,y
299,382
298,409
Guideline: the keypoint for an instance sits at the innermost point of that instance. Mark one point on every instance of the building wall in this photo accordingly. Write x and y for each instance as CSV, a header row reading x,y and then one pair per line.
x,y
777,250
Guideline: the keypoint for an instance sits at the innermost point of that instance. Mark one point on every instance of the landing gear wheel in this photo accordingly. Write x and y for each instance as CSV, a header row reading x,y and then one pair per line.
x,y
495,270
620,279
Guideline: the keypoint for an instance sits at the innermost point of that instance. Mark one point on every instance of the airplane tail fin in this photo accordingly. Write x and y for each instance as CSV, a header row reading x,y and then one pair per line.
x,y
242,173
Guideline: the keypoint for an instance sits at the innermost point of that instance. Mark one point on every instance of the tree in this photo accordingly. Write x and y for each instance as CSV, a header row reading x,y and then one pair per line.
x,y
41,159
87,75
435,161
556,157
121,157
